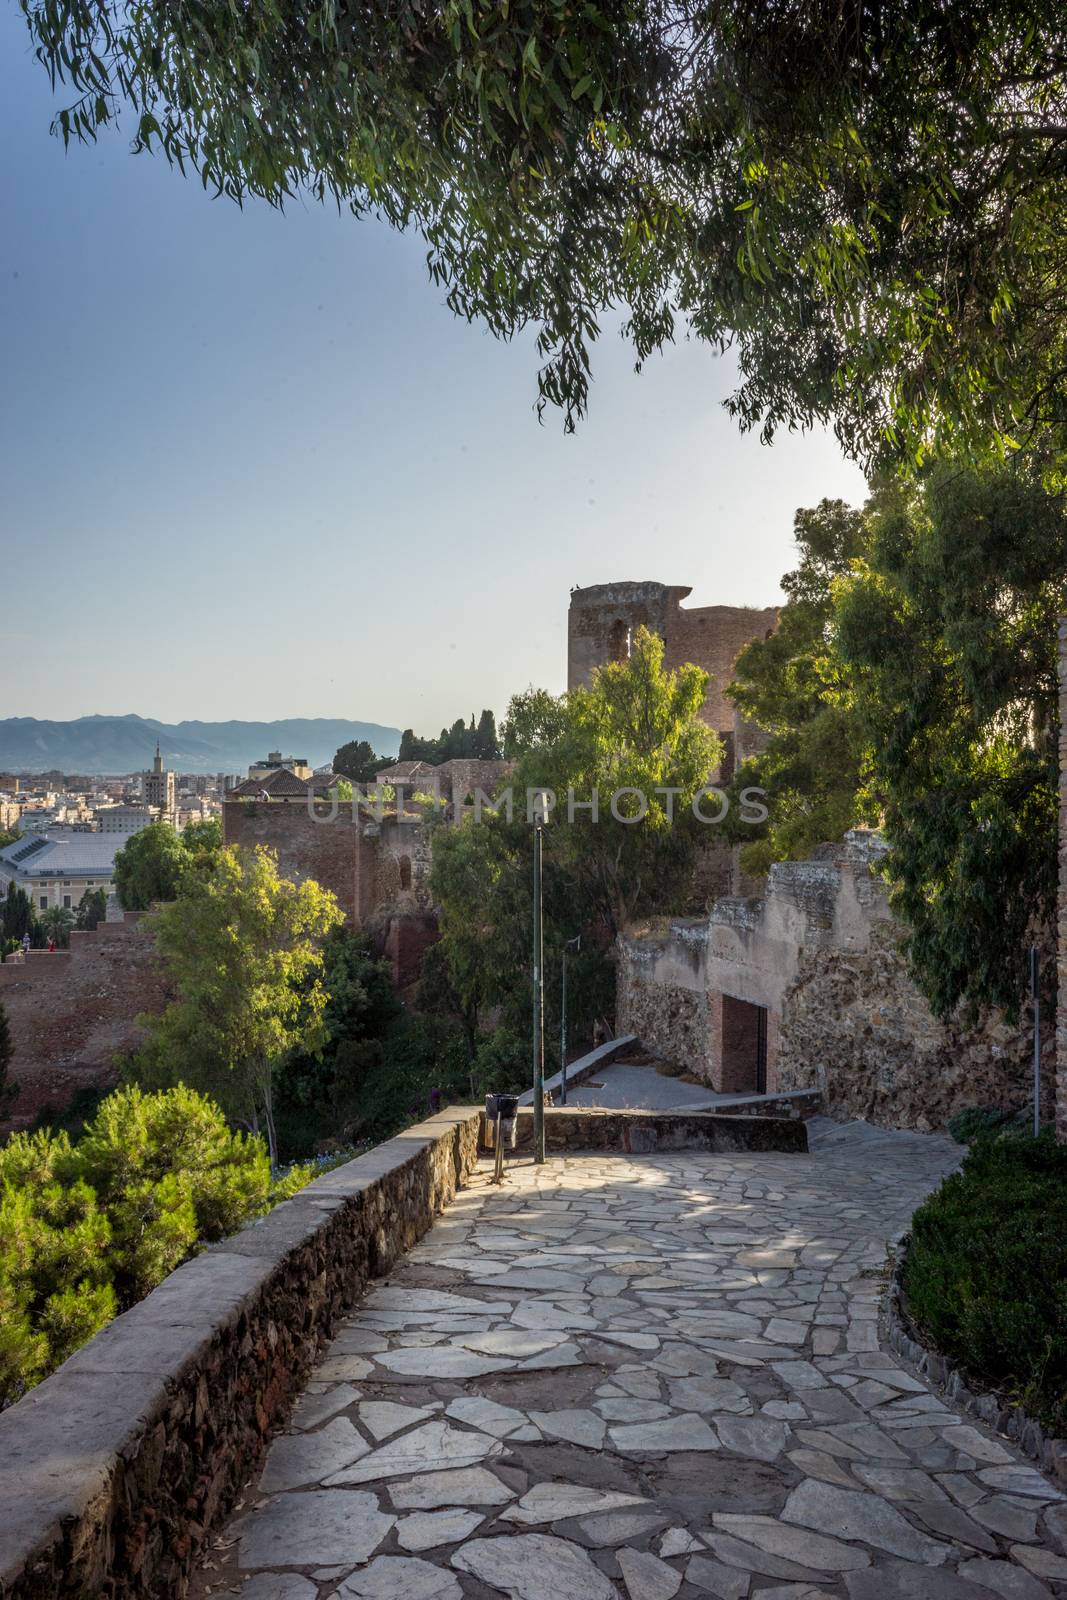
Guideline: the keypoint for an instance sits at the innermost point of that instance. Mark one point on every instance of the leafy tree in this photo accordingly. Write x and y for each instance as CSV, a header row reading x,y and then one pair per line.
x,y
9,836
948,632
636,734
202,841
467,741
356,760
795,688
92,909
242,948
149,867
318,1093
535,718
866,202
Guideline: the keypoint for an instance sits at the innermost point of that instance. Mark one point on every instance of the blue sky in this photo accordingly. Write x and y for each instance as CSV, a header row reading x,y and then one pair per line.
x,y
253,466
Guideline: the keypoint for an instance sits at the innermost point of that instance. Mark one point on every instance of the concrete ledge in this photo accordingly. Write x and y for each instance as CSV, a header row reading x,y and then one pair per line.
x,y
791,1103
645,1132
585,1067
114,1470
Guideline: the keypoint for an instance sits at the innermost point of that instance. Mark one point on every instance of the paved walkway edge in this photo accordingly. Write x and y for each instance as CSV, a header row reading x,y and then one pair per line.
x,y
902,1337
113,1470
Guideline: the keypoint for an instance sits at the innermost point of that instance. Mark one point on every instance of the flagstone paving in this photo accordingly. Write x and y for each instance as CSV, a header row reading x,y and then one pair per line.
x,y
636,1378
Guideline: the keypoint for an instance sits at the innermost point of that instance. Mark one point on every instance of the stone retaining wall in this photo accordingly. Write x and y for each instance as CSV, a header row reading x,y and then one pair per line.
x,y
114,1470
646,1132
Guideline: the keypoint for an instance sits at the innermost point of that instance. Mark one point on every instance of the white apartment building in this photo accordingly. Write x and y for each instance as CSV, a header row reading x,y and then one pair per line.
x,y
56,871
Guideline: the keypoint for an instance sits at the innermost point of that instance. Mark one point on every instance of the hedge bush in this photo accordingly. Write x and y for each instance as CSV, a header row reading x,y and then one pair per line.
x,y
986,1271
88,1229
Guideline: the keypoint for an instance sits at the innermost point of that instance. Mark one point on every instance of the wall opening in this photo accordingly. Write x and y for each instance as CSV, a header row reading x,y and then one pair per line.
x,y
405,872
619,641
744,1047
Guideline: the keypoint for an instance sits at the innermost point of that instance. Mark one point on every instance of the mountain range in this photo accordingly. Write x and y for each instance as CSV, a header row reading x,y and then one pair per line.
x,y
102,744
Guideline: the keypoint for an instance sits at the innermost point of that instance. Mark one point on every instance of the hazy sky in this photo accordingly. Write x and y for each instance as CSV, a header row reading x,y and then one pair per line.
x,y
253,467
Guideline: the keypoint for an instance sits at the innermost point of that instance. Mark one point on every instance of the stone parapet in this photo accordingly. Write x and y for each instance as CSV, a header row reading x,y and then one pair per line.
x,y
652,1132
115,1469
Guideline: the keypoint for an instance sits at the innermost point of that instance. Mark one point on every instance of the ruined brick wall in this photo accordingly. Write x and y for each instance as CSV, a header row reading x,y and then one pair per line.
x,y
325,848
73,1011
602,617
1061,962
402,860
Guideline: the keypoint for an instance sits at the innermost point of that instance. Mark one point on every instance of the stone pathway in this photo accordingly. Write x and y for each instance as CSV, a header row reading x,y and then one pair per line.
x,y
634,1084
637,1378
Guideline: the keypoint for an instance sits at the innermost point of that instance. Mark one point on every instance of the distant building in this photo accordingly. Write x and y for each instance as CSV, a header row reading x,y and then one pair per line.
x,y
160,791
124,819
56,871
276,762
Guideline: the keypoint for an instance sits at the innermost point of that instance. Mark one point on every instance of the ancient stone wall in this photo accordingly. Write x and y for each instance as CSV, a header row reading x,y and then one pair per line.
x,y
115,1470
819,955
71,1012
645,1132
1061,964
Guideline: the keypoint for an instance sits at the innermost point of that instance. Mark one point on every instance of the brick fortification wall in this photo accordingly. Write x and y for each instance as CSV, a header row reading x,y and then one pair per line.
x,y
73,1011
1061,965
602,618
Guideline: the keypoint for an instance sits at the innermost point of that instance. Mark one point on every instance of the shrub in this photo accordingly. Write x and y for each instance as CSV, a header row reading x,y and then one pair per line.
x,y
986,1271
88,1229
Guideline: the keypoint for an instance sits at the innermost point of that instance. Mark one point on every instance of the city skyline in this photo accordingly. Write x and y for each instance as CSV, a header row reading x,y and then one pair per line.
x,y
256,468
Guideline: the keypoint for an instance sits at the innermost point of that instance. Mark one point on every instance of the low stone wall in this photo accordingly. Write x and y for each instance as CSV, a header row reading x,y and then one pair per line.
x,y
584,1067
114,1470
648,1132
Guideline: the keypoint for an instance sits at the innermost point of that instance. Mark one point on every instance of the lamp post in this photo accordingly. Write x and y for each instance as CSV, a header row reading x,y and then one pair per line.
x,y
538,990
576,944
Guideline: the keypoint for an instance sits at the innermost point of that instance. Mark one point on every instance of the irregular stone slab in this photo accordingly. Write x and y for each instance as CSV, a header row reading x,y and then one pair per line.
x,y
757,1437
626,1409
1020,1480
903,1581
341,1369
710,1394
678,1542
552,1502
1003,1578
516,1342
491,1418
434,1444
425,1530
950,1522
534,1566
331,1527
814,1464
439,1361
1007,1517
1042,1563
807,1549
799,1374
382,1417
750,1558
619,1527
898,1483
577,1427
299,1458
401,1578
972,1443
312,1409
728,1583
853,1514
685,1432
647,1577
279,1586
545,1314
564,1355
431,1301
470,1486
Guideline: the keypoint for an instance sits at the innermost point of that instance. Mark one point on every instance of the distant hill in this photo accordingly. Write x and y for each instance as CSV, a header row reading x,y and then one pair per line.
x,y
127,744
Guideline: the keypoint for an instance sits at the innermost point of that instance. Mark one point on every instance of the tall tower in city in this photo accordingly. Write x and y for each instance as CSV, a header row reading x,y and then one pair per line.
x,y
160,790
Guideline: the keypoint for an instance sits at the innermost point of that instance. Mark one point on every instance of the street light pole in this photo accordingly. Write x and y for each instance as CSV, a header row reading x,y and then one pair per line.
x,y
538,996
577,943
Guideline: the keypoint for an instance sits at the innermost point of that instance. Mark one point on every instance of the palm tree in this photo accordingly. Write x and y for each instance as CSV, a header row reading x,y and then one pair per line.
x,y
57,922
